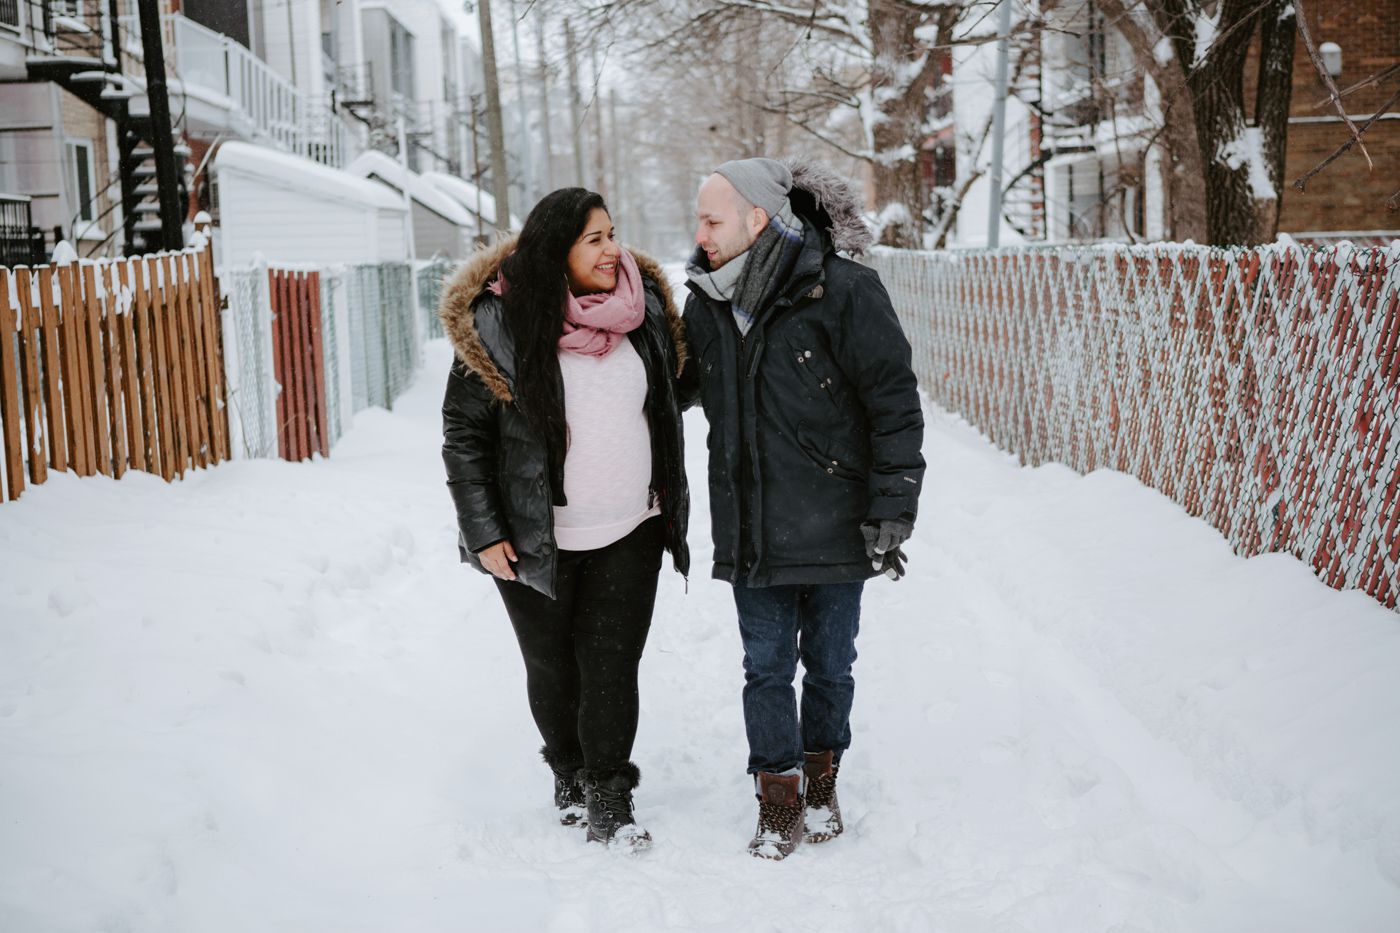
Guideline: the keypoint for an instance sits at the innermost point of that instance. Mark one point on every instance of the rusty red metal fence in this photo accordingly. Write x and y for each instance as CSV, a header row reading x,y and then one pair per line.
x,y
1258,388
299,364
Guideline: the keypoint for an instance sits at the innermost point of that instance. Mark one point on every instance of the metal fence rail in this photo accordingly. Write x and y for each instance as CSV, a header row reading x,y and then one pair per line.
x,y
1258,388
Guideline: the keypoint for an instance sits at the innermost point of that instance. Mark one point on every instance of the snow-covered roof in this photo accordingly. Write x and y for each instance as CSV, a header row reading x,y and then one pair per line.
x,y
466,193
294,172
392,172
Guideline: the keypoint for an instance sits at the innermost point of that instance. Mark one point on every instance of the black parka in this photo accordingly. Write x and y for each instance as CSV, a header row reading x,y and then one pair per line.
x,y
497,469
815,418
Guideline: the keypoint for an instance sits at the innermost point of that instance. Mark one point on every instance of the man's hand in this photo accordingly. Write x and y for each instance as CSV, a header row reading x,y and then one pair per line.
x,y
893,564
497,559
884,536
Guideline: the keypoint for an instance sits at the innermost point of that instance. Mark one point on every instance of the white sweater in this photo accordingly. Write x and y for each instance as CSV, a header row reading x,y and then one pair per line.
x,y
607,471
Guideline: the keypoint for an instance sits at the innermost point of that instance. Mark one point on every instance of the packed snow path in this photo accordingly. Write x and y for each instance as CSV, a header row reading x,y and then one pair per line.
x,y
268,698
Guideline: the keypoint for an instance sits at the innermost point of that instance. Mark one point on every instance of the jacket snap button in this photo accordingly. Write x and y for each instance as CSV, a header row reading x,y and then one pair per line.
x,y
807,354
800,358
830,470
834,463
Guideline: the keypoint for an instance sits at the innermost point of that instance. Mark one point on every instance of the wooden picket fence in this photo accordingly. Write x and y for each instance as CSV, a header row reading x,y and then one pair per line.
x,y
111,365
299,364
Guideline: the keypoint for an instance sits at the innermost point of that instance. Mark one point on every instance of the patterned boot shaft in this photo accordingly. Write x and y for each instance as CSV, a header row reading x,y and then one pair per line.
x,y
779,816
822,815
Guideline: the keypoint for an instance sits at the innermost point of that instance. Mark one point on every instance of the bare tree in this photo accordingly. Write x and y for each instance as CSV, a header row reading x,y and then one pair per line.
x,y
1221,176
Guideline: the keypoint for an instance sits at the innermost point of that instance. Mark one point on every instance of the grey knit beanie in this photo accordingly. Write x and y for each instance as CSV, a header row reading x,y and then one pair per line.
x,y
764,183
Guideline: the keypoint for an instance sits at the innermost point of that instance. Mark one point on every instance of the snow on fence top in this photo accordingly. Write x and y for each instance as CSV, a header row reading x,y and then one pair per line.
x,y
1258,388
112,365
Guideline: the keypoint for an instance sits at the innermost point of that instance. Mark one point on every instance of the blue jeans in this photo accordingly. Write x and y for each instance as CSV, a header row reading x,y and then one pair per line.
x,y
817,623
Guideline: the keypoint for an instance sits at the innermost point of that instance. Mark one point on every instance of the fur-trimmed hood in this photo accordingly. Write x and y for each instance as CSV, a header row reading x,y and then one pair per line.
x,y
832,202
457,310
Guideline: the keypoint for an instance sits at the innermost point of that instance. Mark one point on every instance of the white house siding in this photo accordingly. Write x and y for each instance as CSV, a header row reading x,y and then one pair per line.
x,y
392,243
290,210
434,234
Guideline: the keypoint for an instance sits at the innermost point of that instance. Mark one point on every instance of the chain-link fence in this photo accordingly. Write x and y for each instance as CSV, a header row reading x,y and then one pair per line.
x,y
430,278
384,342
1258,388
371,327
248,369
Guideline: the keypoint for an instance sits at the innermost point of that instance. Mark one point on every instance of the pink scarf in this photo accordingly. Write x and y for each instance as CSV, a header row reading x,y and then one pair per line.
x,y
595,324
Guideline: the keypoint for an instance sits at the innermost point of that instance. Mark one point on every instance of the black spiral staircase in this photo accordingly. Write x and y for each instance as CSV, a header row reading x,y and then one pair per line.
x,y
81,46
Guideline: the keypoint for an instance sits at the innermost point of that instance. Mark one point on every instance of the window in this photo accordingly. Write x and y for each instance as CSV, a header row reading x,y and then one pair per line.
x,y
400,59
81,180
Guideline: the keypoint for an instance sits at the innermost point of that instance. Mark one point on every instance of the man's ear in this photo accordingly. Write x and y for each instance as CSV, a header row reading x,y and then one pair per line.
x,y
758,219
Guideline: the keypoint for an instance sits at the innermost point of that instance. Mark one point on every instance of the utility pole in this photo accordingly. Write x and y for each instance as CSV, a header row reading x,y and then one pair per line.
x,y
495,128
522,119
619,176
548,173
172,214
575,117
998,128
595,108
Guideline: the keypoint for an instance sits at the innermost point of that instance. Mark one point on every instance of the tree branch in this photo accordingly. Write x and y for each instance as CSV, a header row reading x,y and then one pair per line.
x,y
1301,184
1334,95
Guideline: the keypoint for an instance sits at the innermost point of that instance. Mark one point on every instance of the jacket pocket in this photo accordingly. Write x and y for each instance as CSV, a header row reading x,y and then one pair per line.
x,y
831,456
815,368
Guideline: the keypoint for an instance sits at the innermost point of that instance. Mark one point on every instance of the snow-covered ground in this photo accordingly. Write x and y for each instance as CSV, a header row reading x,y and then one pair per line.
x,y
268,698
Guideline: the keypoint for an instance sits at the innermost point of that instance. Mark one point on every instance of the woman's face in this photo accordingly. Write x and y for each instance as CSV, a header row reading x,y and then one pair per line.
x,y
592,263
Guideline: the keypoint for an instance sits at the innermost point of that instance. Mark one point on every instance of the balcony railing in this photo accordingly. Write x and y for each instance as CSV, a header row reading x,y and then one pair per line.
x,y
21,243
264,106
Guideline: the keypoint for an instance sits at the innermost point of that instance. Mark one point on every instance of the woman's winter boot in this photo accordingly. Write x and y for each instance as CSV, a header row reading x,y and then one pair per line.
x,y
568,789
610,819
779,816
822,814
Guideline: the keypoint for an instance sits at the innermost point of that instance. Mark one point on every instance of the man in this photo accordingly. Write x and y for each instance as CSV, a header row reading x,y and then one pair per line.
x,y
815,464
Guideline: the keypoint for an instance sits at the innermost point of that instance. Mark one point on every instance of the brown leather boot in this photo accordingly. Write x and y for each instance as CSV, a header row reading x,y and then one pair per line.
x,y
779,816
822,815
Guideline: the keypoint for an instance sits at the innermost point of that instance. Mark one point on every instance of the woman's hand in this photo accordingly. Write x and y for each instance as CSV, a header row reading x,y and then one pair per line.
x,y
497,559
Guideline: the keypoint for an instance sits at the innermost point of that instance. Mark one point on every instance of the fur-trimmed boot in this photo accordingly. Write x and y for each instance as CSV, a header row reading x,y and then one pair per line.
x,y
779,816
568,789
610,819
822,814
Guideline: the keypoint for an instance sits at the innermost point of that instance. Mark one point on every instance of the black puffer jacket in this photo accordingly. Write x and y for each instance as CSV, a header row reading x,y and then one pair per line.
x,y
497,468
815,419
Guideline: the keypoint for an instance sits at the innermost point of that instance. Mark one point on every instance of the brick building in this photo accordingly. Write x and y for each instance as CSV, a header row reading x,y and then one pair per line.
x,y
1347,195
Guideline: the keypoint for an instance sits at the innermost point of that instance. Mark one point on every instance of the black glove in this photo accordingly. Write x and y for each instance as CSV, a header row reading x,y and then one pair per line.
x,y
893,564
884,536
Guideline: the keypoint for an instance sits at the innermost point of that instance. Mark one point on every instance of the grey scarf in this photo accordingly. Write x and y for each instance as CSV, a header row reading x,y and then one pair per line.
x,y
751,280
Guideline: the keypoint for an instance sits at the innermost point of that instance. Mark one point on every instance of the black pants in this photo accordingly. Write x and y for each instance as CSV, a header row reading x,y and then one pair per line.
x,y
582,649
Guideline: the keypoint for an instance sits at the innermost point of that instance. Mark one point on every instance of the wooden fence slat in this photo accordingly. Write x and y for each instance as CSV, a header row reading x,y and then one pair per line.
x,y
168,311
97,364
318,368
29,362
294,302
165,398
9,393
116,372
141,308
73,334
53,385
279,324
189,362
213,353
131,366
194,358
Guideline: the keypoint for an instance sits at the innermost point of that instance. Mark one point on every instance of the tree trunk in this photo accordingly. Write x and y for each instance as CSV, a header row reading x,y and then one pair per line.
x,y
1217,91
899,194
1272,103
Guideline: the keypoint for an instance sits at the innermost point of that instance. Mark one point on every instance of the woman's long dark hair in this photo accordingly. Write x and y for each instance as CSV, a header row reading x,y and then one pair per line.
x,y
537,273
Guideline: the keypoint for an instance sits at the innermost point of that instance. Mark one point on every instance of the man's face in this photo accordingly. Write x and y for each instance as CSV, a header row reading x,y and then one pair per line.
x,y
728,224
